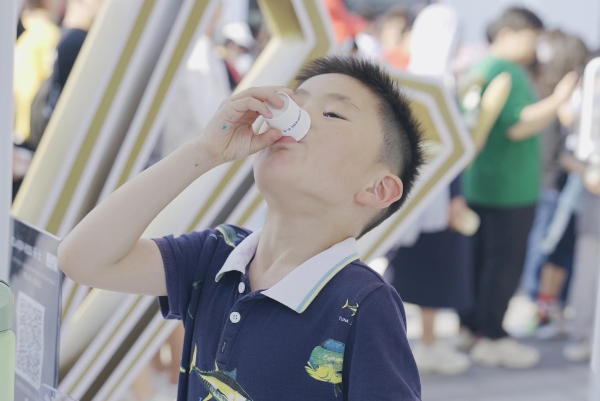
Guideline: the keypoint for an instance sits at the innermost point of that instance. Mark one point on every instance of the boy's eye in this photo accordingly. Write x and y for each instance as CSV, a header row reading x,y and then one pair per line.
x,y
332,115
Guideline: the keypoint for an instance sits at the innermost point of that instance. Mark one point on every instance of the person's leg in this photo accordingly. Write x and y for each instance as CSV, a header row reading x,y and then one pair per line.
x,y
548,320
583,291
505,247
534,257
434,356
143,386
176,344
504,253
468,319
552,280
428,320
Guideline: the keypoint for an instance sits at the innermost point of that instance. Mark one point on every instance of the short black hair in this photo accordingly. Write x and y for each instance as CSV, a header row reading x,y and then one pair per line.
x,y
515,18
402,146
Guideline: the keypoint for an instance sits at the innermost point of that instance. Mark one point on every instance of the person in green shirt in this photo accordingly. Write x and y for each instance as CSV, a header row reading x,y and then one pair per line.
x,y
503,185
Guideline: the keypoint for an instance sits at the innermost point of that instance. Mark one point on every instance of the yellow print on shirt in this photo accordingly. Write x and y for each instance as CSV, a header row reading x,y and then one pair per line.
x,y
221,385
325,364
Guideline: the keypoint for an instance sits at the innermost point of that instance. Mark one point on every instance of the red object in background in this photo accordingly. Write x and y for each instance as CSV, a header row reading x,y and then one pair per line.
x,y
398,57
237,78
345,24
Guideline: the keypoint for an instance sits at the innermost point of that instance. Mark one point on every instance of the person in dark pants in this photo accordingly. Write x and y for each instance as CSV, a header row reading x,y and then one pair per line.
x,y
503,186
500,245
434,273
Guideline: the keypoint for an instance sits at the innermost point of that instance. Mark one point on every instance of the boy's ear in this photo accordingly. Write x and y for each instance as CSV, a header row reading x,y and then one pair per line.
x,y
382,193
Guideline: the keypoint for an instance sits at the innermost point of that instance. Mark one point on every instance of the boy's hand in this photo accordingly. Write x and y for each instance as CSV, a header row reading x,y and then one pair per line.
x,y
229,136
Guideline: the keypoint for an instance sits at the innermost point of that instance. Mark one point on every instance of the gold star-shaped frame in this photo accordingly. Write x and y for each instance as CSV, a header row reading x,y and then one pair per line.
x,y
449,148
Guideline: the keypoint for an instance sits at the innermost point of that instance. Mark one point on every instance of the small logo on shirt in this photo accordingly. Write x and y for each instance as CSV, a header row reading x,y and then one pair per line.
x,y
352,308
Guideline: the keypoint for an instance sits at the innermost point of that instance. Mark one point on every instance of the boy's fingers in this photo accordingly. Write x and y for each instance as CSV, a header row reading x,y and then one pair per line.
x,y
241,106
264,93
264,140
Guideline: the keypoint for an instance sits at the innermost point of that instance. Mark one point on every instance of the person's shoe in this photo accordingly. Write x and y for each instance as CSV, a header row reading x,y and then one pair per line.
x,y
578,351
465,340
440,358
550,324
505,352
548,330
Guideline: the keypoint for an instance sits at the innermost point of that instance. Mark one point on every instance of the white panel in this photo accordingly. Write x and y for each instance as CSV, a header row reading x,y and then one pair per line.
x,y
8,29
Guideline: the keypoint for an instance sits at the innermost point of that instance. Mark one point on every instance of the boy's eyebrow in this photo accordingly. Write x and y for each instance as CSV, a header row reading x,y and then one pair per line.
x,y
301,92
339,97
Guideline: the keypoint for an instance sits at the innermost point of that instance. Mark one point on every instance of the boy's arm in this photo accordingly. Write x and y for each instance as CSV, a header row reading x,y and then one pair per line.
x,y
105,250
378,362
534,118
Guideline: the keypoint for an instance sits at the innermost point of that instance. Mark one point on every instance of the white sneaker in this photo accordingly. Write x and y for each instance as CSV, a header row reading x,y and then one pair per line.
x,y
440,358
578,351
465,340
505,352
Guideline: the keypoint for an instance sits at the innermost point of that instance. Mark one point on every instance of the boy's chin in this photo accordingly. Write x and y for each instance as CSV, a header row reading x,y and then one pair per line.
x,y
275,175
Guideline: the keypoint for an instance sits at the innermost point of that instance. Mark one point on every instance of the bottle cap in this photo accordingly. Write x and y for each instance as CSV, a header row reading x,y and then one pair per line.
x,y
6,307
291,120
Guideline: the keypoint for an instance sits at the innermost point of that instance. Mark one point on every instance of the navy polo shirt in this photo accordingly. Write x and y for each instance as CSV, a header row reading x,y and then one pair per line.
x,y
332,329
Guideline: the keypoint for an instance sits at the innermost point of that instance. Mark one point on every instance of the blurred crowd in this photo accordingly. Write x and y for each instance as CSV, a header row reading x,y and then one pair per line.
x,y
524,216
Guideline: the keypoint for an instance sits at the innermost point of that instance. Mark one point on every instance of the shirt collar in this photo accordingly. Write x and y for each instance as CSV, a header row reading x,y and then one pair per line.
x,y
298,289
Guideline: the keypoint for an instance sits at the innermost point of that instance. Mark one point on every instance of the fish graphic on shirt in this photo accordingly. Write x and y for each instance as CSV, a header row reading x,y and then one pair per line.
x,y
229,235
222,386
325,364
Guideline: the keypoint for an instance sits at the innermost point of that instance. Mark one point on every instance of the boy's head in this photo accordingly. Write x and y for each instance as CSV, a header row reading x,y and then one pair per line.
x,y
516,33
361,156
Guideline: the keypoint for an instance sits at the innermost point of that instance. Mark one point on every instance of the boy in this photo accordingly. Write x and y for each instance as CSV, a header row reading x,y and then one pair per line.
x,y
287,312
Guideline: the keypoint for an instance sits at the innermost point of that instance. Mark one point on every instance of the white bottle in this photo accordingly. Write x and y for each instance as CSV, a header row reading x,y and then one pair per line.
x,y
7,344
291,120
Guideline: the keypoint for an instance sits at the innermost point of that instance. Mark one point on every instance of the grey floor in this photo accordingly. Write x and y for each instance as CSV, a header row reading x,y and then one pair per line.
x,y
553,380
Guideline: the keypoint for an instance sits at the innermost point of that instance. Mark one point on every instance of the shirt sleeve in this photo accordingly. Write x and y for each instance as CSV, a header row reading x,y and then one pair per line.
x,y
456,187
378,362
184,270
521,96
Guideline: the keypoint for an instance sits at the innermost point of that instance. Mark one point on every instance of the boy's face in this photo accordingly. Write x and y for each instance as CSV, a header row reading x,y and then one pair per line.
x,y
338,157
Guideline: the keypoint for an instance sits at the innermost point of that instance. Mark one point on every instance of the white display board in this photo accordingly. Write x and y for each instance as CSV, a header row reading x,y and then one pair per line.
x,y
8,30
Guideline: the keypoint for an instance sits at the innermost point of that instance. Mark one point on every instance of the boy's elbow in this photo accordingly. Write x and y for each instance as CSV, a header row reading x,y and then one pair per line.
x,y
67,261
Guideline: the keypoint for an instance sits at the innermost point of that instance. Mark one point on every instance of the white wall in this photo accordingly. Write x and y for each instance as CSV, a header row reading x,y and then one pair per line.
x,y
8,31
581,17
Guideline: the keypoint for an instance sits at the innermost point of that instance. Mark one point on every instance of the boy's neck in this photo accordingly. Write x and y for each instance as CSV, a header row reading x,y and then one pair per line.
x,y
286,242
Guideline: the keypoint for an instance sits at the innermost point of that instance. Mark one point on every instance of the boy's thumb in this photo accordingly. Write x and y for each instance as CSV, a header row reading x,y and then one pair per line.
x,y
265,139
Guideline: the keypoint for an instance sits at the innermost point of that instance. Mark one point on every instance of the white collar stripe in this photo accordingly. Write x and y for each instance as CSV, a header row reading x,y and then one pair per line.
x,y
324,280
